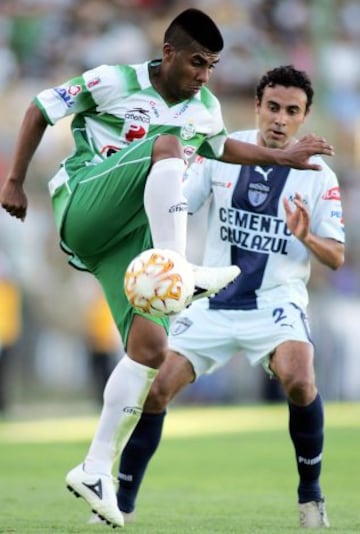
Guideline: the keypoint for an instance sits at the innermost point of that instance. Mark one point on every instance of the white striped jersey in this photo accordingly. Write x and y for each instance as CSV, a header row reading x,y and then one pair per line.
x,y
115,105
247,225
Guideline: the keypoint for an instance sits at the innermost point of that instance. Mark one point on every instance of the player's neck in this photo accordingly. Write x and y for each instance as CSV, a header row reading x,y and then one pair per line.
x,y
157,81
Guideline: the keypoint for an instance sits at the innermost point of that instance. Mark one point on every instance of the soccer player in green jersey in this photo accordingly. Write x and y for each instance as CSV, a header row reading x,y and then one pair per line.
x,y
119,193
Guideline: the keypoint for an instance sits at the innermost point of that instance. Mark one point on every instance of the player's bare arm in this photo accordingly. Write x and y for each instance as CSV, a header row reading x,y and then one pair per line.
x,y
295,155
12,195
327,251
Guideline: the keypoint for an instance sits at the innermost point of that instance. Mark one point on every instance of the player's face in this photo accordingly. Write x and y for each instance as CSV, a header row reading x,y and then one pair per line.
x,y
184,72
280,114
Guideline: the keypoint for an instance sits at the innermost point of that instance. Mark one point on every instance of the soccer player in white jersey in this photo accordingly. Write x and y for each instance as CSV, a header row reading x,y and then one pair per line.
x,y
269,220
120,193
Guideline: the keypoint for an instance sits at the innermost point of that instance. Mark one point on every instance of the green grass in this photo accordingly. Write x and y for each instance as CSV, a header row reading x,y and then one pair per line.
x,y
202,480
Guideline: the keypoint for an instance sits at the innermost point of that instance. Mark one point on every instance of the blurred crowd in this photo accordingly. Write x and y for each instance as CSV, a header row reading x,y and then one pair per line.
x,y
44,42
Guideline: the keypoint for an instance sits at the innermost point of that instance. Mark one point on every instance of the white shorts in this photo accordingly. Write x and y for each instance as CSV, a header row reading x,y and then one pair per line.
x,y
210,338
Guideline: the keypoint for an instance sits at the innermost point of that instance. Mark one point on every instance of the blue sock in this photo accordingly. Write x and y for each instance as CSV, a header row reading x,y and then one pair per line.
x,y
306,426
135,457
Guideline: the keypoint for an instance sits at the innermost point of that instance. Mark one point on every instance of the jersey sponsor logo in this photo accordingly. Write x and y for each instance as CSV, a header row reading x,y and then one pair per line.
x,y
188,131
182,206
180,325
254,231
65,96
74,90
304,199
256,243
336,213
93,82
138,115
264,173
332,194
226,185
136,124
257,222
258,193
182,110
153,104
109,150
134,131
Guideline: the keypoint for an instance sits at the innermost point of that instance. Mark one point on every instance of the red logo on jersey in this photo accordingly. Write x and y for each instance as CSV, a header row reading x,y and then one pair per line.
x,y
74,90
199,159
332,194
135,131
93,82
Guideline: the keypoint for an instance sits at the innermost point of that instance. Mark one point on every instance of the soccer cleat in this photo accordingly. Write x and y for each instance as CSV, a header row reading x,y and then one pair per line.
x,y
210,280
96,520
98,490
313,514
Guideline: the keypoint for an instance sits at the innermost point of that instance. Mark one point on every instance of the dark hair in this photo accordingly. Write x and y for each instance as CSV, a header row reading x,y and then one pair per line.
x,y
286,76
197,25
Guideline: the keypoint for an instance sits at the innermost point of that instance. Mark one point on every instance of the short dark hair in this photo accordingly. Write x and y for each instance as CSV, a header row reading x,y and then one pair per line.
x,y
197,25
287,76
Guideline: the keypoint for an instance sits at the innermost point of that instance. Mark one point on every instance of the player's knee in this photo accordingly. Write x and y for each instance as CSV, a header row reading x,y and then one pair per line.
x,y
152,354
158,398
147,343
300,390
167,146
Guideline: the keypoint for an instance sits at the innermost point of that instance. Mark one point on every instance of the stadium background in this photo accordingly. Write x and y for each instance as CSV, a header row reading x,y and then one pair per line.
x,y
43,42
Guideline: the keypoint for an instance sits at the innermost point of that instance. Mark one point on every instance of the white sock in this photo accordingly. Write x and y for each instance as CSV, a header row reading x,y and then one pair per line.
x,y
166,206
124,397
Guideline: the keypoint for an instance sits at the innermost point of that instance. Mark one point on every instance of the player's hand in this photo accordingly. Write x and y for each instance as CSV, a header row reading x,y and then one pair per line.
x,y
297,155
297,220
13,199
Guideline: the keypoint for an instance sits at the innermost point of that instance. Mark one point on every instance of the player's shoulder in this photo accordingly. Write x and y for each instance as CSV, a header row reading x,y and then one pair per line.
x,y
325,174
247,136
117,79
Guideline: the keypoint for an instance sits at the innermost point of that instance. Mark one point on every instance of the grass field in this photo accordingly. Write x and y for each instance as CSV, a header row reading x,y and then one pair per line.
x,y
218,470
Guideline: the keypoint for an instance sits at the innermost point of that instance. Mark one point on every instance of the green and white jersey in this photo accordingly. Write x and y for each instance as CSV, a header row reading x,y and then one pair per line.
x,y
116,105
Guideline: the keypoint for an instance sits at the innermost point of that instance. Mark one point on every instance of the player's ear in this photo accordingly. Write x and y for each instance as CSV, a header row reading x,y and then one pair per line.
x,y
168,50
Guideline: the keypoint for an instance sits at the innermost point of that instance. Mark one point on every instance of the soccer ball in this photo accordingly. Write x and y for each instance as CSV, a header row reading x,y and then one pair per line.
x,y
159,282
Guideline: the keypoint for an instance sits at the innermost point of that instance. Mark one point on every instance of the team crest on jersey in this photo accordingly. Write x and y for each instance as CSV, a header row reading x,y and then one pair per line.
x,y
188,131
180,325
258,193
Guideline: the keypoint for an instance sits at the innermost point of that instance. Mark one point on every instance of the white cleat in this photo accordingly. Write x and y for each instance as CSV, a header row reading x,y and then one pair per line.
x,y
313,514
98,490
210,280
96,520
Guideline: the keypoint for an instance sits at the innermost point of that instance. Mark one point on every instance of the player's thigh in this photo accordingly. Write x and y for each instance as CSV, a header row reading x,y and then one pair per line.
x,y
294,361
108,200
263,330
109,268
204,337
